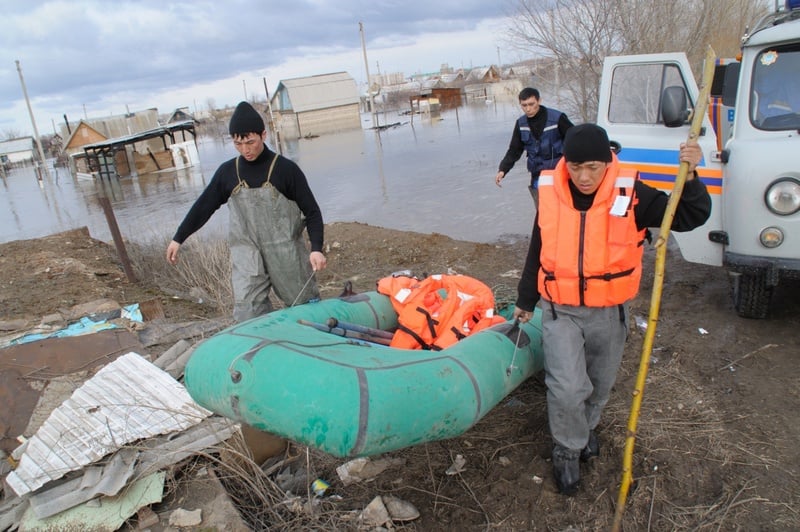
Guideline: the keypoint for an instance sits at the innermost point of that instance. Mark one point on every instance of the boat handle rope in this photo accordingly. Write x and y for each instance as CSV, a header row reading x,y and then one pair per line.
x,y
511,367
304,288
236,375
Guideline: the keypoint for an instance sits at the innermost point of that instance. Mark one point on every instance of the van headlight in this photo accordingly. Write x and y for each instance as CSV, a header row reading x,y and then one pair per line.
x,y
783,196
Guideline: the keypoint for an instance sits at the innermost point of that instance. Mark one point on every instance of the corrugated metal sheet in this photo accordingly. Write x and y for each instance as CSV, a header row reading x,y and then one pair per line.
x,y
150,455
320,92
127,400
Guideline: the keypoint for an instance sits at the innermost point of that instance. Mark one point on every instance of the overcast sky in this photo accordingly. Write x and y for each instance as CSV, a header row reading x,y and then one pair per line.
x,y
96,58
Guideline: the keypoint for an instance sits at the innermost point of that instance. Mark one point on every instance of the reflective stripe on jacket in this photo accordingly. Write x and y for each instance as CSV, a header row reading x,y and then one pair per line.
x,y
589,258
543,153
438,311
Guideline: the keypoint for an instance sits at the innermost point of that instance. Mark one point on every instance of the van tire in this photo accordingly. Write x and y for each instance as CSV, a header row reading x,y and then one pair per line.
x,y
751,295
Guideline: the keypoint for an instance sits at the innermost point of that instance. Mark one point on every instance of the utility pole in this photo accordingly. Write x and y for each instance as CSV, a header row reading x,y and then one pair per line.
x,y
273,126
33,122
366,67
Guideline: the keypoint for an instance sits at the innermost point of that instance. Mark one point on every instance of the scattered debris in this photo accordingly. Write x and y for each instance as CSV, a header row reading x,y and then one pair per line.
x,y
127,400
735,362
185,518
146,517
458,466
360,469
384,510
319,487
400,510
375,514
12,325
104,514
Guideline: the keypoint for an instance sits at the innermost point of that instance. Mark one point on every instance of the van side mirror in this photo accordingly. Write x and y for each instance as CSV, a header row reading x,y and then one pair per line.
x,y
673,106
730,84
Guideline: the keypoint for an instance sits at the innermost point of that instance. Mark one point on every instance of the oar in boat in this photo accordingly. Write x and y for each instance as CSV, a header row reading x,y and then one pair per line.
x,y
346,333
380,333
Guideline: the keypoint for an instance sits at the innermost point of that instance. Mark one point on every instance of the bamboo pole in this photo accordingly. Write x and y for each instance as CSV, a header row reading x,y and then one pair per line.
x,y
698,114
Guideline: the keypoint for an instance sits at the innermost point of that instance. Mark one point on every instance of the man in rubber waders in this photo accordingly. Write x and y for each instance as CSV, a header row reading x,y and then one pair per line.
x,y
539,132
585,263
270,203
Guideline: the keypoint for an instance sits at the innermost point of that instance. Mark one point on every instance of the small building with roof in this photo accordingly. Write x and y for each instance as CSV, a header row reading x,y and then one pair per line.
x,y
17,151
130,144
316,105
121,156
82,134
181,114
490,74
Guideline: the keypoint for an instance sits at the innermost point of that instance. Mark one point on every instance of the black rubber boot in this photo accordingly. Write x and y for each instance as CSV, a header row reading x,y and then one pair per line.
x,y
567,470
592,448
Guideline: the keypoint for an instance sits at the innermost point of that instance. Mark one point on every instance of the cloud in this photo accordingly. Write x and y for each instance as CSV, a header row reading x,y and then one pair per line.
x,y
102,57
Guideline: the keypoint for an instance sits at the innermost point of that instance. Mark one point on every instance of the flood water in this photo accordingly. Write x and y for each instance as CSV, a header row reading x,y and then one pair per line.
x,y
426,176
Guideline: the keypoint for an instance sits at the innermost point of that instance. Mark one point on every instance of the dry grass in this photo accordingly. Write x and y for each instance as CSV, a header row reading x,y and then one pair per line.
x,y
683,449
255,491
203,273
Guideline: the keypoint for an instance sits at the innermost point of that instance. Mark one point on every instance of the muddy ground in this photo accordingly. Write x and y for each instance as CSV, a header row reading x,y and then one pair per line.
x,y
718,431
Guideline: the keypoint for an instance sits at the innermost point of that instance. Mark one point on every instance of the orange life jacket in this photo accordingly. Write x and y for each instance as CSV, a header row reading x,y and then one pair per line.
x,y
591,259
438,311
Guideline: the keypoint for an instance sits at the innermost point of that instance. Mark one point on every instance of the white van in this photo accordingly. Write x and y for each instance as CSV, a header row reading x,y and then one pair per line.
x,y
751,149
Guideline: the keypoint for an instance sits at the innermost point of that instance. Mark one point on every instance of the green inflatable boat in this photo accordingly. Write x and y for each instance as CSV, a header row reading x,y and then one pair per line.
x,y
291,374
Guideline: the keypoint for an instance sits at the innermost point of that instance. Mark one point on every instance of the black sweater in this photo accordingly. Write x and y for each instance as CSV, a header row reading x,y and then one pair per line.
x,y
693,210
287,178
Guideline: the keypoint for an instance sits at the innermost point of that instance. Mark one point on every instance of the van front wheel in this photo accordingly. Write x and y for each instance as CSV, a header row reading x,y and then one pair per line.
x,y
751,295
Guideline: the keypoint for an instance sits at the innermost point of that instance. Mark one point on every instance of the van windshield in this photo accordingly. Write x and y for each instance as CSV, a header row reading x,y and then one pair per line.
x,y
775,89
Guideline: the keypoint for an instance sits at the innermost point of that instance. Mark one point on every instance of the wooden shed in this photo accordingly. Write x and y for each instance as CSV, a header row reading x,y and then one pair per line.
x,y
449,97
316,105
82,135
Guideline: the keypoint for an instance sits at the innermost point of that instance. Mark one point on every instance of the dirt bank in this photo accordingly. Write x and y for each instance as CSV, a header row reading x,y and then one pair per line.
x,y
718,433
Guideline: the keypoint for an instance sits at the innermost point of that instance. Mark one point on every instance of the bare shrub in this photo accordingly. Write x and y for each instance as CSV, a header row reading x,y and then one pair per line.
x,y
203,273
255,491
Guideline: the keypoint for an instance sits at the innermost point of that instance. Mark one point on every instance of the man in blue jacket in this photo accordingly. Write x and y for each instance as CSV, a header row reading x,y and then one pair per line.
x,y
539,132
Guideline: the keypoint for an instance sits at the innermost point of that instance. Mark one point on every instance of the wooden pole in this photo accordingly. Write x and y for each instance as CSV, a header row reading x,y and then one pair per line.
x,y
119,244
658,282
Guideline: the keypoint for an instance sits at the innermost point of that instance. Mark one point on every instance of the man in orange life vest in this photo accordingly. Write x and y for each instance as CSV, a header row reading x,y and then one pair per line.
x,y
585,263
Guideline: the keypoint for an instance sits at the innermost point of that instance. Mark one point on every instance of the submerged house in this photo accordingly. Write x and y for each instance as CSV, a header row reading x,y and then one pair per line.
x,y
81,135
315,105
130,144
16,151
93,154
181,114
122,156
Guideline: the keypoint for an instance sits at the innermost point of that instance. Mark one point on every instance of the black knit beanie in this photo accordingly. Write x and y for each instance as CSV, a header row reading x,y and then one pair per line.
x,y
587,142
245,120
